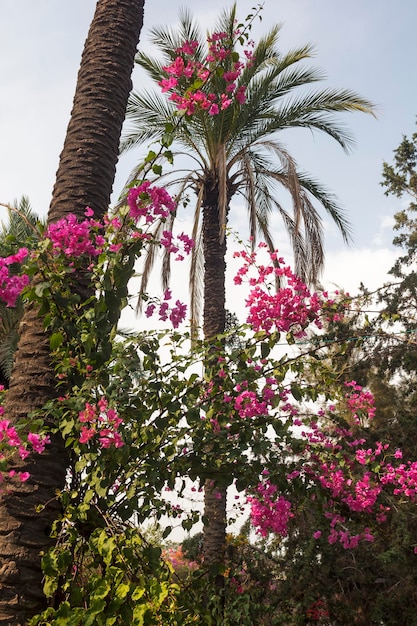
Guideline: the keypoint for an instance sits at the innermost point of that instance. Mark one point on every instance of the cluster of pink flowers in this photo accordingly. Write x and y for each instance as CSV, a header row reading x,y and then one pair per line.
x,y
175,314
179,245
354,482
339,533
290,308
154,203
360,402
269,513
150,202
11,286
185,71
102,424
359,495
247,404
11,442
403,477
76,238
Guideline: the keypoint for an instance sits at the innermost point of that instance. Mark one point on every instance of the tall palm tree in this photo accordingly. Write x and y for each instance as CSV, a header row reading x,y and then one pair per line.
x,y
84,178
239,153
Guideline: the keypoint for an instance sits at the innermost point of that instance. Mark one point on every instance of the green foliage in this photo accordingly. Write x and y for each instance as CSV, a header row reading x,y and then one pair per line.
x,y
176,425
374,585
100,570
116,578
20,230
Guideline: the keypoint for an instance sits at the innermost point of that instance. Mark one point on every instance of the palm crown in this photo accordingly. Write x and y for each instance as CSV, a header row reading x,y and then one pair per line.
x,y
238,151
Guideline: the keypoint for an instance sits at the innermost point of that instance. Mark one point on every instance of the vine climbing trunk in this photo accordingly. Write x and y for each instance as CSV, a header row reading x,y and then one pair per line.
x,y
84,178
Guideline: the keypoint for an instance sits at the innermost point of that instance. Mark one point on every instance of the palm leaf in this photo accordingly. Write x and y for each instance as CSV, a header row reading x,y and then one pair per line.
x,y
239,150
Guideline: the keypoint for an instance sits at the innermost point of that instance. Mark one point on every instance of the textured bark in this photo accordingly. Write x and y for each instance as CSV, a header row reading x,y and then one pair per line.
x,y
23,531
88,160
214,533
214,248
84,178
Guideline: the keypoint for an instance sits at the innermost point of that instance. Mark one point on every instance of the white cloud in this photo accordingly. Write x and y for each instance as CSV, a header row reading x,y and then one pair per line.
x,y
349,267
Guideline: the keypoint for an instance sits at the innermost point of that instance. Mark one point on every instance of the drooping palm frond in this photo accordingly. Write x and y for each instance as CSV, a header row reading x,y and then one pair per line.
x,y
9,336
20,225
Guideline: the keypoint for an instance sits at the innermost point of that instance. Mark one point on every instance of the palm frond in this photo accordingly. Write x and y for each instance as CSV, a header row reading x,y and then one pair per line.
x,y
146,116
148,263
168,40
239,149
21,226
197,267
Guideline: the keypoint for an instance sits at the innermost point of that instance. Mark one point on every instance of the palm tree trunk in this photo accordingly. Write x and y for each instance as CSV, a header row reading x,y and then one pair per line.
x,y
85,178
214,249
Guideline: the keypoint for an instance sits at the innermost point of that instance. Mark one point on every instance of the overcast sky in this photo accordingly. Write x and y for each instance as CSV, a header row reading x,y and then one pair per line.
x,y
365,45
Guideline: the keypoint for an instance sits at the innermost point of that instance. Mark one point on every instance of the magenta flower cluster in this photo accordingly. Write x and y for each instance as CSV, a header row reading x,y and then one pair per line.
x,y
270,513
76,238
355,480
90,238
11,442
361,403
100,422
185,71
176,314
290,308
150,202
12,285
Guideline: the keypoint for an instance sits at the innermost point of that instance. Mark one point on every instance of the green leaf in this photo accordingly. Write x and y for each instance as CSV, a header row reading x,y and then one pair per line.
x,y
167,531
138,593
122,591
66,426
197,84
41,288
265,350
297,392
50,586
150,156
99,590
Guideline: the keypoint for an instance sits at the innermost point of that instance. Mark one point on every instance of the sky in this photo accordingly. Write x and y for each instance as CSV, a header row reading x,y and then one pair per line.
x,y
368,46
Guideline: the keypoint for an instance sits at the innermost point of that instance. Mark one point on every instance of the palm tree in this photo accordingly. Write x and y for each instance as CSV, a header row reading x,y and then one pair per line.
x,y
84,178
239,153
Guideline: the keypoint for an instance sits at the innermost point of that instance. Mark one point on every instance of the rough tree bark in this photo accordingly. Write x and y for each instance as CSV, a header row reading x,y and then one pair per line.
x,y
214,250
84,178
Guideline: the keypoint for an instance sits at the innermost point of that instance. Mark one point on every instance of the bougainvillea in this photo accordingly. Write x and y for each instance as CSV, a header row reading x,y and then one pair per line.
x,y
185,71
138,425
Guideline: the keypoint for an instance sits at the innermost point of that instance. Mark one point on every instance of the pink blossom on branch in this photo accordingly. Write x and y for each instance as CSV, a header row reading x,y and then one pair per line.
x,y
103,423
150,202
11,286
269,512
75,238
11,443
188,80
290,308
